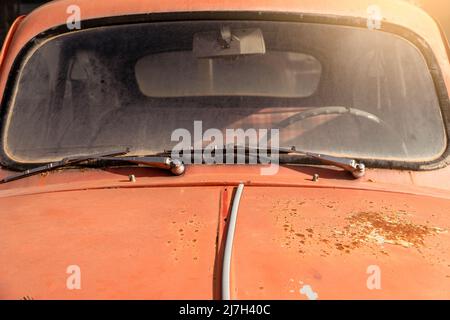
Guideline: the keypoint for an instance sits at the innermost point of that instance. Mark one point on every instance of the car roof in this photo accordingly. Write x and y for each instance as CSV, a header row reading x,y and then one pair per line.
x,y
398,12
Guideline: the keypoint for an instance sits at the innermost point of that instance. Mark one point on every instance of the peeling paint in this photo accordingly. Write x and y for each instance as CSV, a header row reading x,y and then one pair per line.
x,y
309,293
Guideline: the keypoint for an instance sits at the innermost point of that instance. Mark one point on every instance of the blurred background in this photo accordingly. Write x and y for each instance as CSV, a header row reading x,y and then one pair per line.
x,y
10,9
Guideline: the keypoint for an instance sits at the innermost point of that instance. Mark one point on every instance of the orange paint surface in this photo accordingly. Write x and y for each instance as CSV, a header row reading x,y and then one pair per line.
x,y
132,244
328,239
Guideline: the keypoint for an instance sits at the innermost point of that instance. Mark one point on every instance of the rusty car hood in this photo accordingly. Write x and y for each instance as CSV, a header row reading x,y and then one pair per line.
x,y
165,241
331,240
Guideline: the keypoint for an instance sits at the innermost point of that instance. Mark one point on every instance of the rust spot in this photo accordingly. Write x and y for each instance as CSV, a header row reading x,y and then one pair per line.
x,y
387,228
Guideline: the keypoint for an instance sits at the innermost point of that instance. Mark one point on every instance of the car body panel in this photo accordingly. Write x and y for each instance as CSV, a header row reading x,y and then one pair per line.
x,y
330,239
430,183
158,242
132,243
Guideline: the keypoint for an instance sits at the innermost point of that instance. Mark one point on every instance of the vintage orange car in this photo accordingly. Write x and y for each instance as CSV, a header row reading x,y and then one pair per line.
x,y
354,202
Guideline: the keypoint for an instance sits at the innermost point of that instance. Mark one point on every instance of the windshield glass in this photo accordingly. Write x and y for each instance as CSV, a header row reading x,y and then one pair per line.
x,y
329,89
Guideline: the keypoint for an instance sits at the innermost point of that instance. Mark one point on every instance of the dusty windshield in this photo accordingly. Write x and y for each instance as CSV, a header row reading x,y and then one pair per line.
x,y
333,89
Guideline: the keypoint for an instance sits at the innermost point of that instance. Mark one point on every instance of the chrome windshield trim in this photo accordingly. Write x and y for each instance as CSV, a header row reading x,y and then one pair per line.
x,y
226,270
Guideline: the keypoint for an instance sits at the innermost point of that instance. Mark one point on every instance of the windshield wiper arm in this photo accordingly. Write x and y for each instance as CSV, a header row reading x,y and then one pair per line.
x,y
176,166
357,169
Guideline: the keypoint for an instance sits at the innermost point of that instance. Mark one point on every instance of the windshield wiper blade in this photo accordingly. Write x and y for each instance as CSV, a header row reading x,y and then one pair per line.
x,y
62,163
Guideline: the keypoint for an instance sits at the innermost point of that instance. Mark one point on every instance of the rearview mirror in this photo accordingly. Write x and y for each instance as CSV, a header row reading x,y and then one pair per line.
x,y
227,42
